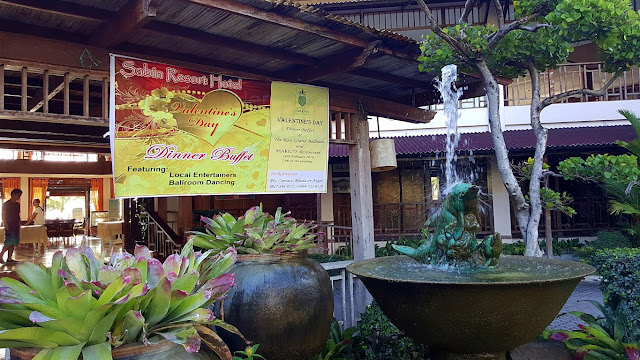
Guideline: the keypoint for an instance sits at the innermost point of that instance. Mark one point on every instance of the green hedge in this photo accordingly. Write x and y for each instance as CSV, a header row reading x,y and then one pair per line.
x,y
607,239
620,271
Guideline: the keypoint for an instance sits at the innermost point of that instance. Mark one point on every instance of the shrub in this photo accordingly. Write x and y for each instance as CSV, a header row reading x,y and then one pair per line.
x,y
516,248
388,249
379,339
609,239
325,258
620,271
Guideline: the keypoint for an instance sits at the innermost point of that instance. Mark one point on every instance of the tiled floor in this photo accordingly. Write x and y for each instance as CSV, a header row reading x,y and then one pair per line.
x,y
588,289
25,252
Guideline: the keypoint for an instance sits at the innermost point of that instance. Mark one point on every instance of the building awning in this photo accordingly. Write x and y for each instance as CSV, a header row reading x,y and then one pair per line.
x,y
514,139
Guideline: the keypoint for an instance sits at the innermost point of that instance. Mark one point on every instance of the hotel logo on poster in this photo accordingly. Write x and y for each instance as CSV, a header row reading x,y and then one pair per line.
x,y
176,131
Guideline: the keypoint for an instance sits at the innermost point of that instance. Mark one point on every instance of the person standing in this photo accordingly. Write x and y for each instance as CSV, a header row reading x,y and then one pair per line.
x,y
11,221
37,217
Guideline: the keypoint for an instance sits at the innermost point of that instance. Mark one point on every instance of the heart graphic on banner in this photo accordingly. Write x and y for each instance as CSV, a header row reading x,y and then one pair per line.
x,y
209,118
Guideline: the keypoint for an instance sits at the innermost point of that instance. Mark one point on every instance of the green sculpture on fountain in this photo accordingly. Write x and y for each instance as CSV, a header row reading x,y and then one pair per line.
x,y
454,240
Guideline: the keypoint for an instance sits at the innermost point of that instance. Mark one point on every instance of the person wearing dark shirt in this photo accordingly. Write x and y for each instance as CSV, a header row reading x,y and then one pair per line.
x,y
11,221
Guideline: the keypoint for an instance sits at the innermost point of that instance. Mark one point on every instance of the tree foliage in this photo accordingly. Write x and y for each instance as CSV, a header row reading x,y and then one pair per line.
x,y
541,37
619,175
551,199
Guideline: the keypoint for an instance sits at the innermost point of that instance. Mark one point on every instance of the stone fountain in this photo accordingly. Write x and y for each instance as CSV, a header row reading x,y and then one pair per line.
x,y
458,295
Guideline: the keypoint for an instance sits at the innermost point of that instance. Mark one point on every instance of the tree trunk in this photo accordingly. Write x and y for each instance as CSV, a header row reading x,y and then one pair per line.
x,y
547,225
532,246
547,232
520,206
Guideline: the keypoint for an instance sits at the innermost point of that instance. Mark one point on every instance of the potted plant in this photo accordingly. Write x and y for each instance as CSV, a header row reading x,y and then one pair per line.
x,y
79,306
282,299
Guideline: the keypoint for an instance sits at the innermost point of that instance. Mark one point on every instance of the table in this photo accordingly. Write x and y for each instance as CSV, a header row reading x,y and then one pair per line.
x,y
110,232
32,234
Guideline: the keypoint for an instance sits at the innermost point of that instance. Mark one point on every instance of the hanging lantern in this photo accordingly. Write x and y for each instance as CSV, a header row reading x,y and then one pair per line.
x,y
383,155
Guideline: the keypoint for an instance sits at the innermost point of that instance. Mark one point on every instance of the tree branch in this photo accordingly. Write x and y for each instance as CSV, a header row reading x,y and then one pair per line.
x,y
444,36
468,7
499,34
551,173
499,13
533,28
553,99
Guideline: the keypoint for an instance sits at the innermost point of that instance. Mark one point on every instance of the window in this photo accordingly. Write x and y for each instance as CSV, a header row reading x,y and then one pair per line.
x,y
6,154
62,156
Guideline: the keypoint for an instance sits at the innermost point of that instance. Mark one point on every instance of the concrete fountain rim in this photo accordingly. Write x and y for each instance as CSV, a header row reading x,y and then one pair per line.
x,y
581,270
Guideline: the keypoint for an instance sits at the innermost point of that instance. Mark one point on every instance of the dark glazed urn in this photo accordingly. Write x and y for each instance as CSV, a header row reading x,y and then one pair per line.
x,y
282,302
164,350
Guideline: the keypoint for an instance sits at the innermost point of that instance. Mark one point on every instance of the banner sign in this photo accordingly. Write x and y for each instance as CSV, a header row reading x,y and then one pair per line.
x,y
176,131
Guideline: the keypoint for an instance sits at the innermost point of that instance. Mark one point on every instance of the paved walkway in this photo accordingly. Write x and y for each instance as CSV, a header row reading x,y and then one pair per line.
x,y
588,289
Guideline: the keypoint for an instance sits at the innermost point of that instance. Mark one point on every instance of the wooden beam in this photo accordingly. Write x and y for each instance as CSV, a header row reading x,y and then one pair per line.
x,y
1,86
379,107
85,96
45,92
229,43
39,31
361,202
123,24
338,64
23,89
105,98
238,8
393,79
66,93
55,7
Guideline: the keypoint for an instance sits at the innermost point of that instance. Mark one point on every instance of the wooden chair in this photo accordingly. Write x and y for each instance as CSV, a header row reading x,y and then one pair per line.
x,y
66,230
53,229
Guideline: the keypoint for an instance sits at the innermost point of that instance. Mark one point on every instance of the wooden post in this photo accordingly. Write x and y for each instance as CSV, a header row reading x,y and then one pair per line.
x,y
85,96
66,93
361,204
23,88
45,92
105,98
1,86
185,214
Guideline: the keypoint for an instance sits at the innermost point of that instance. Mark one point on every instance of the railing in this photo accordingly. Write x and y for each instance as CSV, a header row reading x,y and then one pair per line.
x,y
576,76
157,236
342,283
592,214
31,90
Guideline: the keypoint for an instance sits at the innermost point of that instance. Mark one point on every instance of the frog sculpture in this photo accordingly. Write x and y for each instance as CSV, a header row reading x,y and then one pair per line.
x,y
454,239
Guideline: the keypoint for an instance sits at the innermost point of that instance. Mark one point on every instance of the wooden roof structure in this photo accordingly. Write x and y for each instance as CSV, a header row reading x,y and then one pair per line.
x,y
366,69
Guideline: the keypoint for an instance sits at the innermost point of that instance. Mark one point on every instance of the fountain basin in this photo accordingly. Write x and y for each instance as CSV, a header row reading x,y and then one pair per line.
x,y
471,311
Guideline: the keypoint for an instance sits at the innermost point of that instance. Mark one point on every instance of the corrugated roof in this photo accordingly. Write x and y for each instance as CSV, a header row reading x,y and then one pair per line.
x,y
514,139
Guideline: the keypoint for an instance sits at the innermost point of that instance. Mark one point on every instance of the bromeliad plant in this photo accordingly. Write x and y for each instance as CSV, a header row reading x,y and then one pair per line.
x,y
256,232
80,306
605,338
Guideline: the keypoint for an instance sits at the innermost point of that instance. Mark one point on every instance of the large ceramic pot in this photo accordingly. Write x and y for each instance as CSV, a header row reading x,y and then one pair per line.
x,y
164,350
282,302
